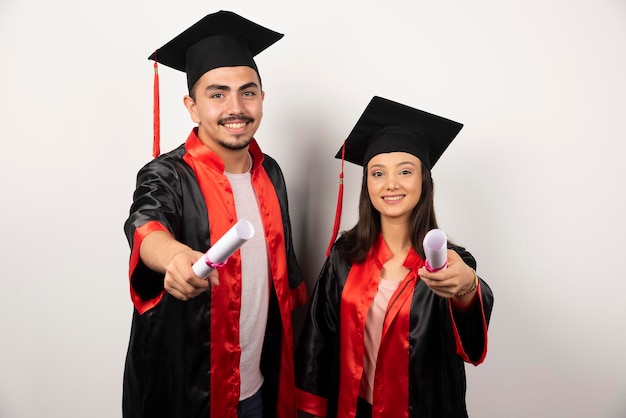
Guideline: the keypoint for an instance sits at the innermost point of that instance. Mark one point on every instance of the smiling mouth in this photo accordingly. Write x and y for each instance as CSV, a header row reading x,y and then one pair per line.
x,y
235,122
392,199
235,125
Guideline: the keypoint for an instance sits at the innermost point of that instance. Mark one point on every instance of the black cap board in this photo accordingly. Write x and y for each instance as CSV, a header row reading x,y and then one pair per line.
x,y
388,126
221,39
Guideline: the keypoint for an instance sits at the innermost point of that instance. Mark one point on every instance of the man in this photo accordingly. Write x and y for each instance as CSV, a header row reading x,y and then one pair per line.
x,y
220,347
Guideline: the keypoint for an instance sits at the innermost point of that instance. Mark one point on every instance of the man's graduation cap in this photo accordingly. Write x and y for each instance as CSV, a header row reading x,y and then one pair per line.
x,y
221,39
387,126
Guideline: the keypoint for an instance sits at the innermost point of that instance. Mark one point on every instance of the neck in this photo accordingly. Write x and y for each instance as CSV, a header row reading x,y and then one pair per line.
x,y
237,162
396,236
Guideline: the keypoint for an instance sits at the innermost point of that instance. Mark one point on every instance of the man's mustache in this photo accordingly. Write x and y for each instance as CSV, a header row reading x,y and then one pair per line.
x,y
240,118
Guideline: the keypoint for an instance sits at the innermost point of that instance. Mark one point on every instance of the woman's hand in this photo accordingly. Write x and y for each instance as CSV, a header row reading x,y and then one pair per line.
x,y
458,280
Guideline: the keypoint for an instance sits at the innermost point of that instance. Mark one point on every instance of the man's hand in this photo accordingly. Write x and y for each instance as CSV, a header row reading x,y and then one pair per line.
x,y
180,280
162,253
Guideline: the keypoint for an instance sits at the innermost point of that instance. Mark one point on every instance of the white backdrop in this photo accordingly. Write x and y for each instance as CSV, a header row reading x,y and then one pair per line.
x,y
533,185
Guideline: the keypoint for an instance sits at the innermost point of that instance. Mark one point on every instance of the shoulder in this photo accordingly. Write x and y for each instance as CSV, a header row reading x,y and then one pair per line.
x,y
337,266
275,173
171,162
340,248
271,165
171,158
344,242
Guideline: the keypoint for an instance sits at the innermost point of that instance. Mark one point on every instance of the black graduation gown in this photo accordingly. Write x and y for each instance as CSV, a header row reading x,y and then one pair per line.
x,y
168,371
433,383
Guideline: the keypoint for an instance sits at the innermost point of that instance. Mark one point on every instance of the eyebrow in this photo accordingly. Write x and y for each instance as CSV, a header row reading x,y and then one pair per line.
x,y
397,165
246,86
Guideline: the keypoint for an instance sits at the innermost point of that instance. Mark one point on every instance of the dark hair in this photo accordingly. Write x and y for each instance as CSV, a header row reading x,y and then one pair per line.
x,y
361,237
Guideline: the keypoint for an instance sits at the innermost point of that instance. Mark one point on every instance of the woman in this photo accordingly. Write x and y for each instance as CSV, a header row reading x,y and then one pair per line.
x,y
384,336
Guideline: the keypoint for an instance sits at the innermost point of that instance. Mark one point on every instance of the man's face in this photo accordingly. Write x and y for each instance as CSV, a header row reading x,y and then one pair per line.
x,y
228,107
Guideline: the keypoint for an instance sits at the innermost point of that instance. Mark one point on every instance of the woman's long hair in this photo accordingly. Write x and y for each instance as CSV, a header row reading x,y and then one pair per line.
x,y
361,237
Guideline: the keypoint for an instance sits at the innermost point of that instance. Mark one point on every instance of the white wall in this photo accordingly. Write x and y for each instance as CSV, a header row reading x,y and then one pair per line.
x,y
533,185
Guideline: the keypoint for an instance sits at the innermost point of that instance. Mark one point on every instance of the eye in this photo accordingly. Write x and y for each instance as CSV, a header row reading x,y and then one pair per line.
x,y
249,94
405,172
217,96
376,173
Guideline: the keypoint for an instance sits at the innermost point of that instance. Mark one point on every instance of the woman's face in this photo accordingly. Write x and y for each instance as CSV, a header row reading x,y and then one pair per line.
x,y
394,184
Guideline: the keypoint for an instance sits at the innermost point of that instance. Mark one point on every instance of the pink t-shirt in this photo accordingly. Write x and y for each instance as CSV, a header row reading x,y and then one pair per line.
x,y
373,334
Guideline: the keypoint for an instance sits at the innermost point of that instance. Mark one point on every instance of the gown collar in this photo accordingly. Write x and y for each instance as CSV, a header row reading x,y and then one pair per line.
x,y
204,154
381,253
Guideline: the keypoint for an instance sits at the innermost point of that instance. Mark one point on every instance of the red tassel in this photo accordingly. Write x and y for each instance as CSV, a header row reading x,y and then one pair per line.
x,y
339,207
156,141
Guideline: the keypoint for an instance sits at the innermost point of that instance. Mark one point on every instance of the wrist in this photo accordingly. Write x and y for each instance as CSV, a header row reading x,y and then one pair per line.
x,y
469,290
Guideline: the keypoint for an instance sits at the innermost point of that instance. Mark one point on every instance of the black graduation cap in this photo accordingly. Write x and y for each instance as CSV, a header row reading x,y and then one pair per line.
x,y
388,126
221,39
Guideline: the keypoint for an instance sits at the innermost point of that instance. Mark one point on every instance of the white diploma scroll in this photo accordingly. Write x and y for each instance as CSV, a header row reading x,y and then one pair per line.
x,y
230,242
436,250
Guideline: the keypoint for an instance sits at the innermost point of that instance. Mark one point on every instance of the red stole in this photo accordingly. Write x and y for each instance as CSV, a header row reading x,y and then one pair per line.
x,y
226,298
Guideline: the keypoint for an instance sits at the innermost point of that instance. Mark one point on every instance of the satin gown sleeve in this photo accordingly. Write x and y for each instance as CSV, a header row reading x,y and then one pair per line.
x,y
471,323
161,202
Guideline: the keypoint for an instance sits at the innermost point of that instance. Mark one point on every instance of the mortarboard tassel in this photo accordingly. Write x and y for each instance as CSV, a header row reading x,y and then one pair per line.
x,y
339,203
156,141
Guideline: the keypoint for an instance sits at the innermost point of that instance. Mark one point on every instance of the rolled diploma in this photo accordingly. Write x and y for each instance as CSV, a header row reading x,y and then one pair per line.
x,y
230,242
436,250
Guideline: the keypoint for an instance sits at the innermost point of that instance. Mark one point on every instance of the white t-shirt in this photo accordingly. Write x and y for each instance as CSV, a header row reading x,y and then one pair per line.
x,y
254,286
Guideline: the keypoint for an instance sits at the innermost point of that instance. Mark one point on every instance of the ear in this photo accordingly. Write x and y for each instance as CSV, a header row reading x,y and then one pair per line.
x,y
190,104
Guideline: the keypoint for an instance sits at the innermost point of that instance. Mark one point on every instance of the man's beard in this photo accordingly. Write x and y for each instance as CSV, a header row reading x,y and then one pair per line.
x,y
237,145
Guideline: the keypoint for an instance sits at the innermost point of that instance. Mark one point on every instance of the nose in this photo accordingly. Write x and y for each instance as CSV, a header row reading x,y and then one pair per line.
x,y
234,105
392,182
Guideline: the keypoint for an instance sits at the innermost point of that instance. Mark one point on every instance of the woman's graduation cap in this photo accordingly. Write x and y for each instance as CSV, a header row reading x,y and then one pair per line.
x,y
221,39
387,126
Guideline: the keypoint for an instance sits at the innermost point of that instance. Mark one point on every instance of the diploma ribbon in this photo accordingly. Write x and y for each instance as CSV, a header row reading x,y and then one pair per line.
x,y
212,264
432,269
230,242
